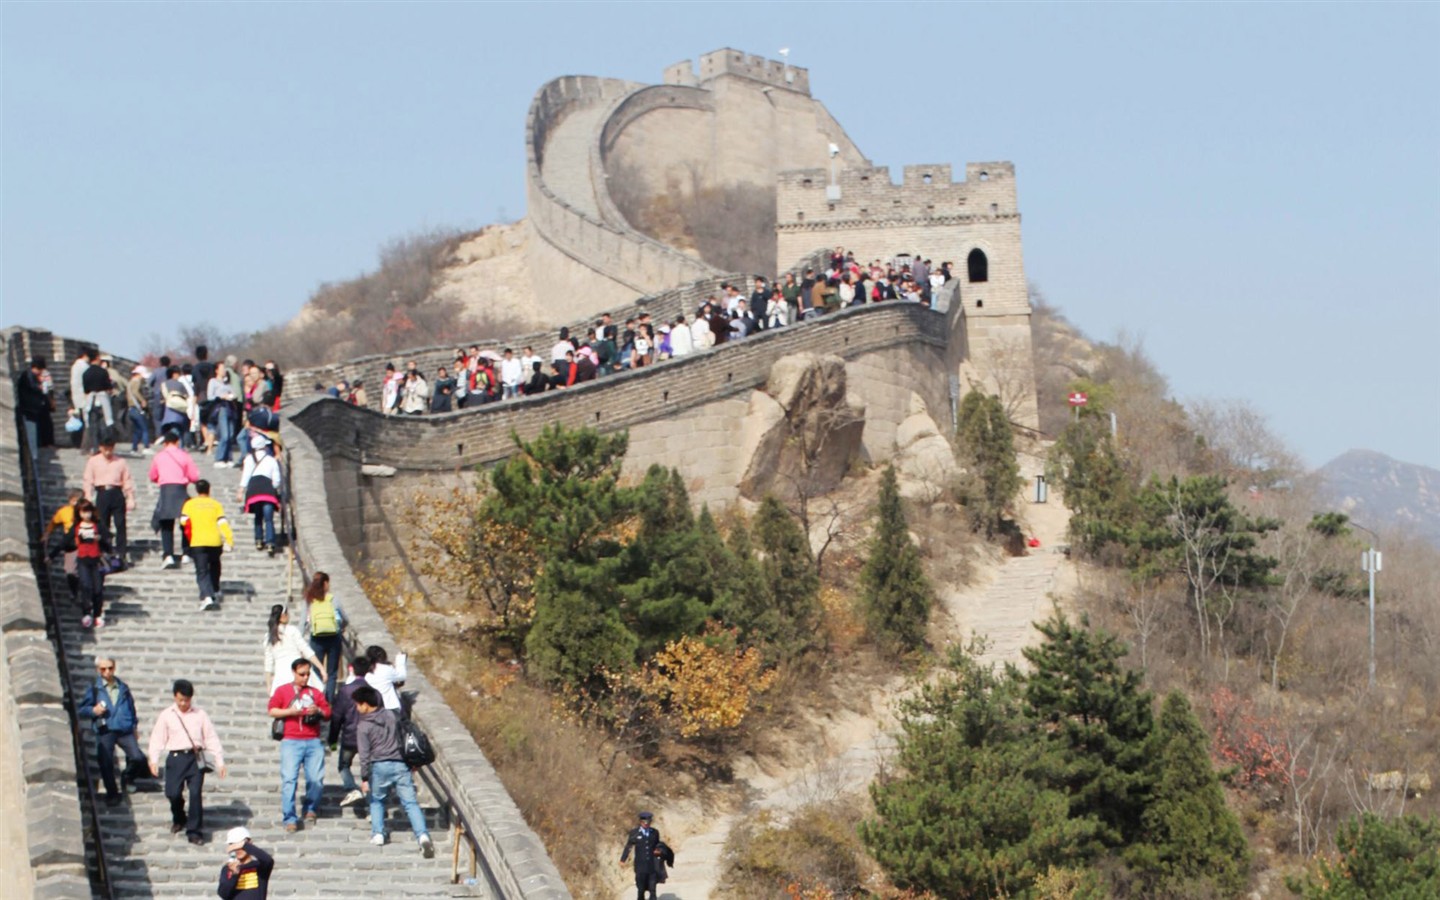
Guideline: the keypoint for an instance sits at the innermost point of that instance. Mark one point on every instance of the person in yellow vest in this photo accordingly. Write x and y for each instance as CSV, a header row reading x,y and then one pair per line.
x,y
202,519
326,624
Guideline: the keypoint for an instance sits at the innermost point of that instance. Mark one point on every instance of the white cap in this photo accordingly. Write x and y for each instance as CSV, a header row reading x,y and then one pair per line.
x,y
236,836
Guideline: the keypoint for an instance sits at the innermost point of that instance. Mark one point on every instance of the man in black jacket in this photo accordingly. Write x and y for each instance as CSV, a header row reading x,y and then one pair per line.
x,y
644,840
246,875
343,721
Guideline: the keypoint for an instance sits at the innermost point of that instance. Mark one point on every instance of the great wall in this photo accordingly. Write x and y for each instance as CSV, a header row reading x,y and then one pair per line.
x,y
351,468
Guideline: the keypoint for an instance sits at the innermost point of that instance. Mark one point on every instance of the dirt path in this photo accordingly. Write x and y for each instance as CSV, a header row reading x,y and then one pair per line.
x,y
1006,597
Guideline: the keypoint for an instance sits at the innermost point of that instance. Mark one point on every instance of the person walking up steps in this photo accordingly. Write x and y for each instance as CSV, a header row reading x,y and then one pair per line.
x,y
383,768
181,734
260,489
110,707
174,470
343,724
326,623
202,521
110,486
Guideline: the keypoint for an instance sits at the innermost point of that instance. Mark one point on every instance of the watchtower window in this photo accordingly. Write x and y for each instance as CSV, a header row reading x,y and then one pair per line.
x,y
807,182
926,178
977,267
984,176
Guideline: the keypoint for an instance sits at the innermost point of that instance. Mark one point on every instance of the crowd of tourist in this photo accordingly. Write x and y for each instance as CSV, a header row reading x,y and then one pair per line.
x,y
478,376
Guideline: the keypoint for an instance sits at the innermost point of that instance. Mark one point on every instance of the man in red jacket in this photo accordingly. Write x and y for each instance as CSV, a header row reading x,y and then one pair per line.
x,y
304,709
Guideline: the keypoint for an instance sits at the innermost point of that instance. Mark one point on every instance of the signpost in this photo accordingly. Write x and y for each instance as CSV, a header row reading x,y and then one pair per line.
x,y
1077,400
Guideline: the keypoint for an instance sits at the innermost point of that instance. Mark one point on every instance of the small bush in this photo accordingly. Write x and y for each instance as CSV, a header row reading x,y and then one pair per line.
x,y
816,851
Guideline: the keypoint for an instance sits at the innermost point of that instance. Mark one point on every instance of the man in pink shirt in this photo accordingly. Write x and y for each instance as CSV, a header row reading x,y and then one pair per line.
x,y
174,470
110,486
181,733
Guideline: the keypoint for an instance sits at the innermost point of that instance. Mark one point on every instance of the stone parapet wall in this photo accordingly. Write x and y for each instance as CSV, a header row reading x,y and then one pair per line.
x,y
664,306
513,854
610,249
38,702
483,434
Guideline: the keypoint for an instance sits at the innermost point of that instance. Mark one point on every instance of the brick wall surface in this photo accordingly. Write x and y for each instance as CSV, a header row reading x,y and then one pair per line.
x,y
37,704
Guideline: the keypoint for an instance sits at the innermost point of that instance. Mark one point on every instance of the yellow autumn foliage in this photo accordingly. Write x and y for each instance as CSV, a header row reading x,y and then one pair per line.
x,y
707,685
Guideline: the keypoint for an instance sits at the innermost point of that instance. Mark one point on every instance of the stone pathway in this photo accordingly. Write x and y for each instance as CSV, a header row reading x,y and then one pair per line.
x,y
157,634
566,168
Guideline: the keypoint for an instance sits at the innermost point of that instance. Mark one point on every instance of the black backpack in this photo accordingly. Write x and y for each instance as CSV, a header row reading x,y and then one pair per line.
x,y
415,747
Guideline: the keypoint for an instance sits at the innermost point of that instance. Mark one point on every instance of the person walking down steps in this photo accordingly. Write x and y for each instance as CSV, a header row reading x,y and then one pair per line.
x,y
644,841
185,743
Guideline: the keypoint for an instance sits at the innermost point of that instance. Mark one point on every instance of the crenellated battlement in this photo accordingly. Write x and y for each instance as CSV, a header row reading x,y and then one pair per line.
x,y
727,61
926,191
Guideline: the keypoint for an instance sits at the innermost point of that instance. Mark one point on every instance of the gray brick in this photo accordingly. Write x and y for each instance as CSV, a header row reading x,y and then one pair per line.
x,y
20,606
47,753
53,825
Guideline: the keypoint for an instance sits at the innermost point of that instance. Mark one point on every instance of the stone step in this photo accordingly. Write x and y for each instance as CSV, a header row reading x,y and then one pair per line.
x,y
157,633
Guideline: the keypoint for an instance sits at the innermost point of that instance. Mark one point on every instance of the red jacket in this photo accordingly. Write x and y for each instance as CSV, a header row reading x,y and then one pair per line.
x,y
296,728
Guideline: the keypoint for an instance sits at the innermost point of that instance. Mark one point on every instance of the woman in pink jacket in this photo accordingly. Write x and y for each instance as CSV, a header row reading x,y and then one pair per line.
x,y
174,470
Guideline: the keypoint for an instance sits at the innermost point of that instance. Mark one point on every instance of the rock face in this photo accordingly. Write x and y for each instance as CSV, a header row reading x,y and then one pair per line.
x,y
803,430
924,459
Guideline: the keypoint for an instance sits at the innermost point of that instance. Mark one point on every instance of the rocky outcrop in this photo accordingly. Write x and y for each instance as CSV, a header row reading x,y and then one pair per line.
x,y
802,430
924,459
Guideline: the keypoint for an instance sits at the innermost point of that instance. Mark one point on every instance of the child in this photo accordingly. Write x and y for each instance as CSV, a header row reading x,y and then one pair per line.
x,y
63,521
90,547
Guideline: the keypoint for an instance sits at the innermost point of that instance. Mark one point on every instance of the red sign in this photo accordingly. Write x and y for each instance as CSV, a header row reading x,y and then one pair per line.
x,y
1079,399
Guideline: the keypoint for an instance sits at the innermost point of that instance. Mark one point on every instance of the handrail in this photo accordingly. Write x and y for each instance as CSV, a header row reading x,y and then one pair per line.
x,y
460,825
34,516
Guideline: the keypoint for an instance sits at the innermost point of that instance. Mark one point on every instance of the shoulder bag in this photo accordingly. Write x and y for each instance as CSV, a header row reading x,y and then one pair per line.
x,y
202,759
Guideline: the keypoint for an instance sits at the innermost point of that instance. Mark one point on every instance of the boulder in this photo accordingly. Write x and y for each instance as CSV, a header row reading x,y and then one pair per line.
x,y
803,430
924,460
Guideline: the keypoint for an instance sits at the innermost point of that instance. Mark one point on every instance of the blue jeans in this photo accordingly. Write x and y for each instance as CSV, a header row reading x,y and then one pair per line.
x,y
293,754
139,429
394,774
224,433
265,524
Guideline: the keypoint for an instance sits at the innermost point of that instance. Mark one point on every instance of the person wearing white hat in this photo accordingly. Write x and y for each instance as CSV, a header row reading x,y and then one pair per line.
x,y
246,874
137,400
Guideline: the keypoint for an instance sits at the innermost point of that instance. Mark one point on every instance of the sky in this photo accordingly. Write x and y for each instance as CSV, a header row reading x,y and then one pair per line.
x,y
1252,190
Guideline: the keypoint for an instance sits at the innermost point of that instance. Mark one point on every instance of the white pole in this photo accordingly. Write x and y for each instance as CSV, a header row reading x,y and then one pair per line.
x,y
1370,562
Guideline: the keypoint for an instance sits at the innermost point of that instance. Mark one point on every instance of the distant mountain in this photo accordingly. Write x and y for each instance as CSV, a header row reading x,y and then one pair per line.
x,y
1384,493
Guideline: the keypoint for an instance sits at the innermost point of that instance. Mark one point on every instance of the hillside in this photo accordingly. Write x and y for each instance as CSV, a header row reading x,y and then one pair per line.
x,y
1384,493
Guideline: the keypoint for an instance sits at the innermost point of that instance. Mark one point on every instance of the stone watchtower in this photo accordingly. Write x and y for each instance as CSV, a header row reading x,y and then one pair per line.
x,y
974,224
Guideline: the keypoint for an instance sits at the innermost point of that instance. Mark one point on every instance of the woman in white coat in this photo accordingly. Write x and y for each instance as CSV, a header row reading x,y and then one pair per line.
x,y
283,645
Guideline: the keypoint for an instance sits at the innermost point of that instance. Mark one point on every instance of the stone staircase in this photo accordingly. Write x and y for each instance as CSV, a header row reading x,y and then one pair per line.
x,y
156,633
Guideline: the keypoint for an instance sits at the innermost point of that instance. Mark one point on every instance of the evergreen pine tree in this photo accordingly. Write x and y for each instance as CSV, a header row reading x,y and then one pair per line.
x,y
788,571
1190,842
987,447
965,816
1096,719
667,580
744,598
896,593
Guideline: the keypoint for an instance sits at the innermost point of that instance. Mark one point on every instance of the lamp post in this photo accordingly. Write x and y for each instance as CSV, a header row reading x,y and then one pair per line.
x,y
1370,563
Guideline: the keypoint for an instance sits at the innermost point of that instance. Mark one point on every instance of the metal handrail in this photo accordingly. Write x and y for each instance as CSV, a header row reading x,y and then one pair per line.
x,y
34,514
460,825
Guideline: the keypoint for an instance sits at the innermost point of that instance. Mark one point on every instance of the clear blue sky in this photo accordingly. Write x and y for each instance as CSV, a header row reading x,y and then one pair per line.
x,y
1253,189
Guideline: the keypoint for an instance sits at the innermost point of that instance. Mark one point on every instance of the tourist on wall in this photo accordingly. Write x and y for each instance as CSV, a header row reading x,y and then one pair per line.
x,y
246,873
326,624
109,485
383,768
283,646
203,522
110,707
442,394
344,719
260,482
174,471
414,393
511,375
185,743
304,710
137,402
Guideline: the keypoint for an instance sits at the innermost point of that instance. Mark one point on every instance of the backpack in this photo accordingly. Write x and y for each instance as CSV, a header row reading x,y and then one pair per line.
x,y
415,747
